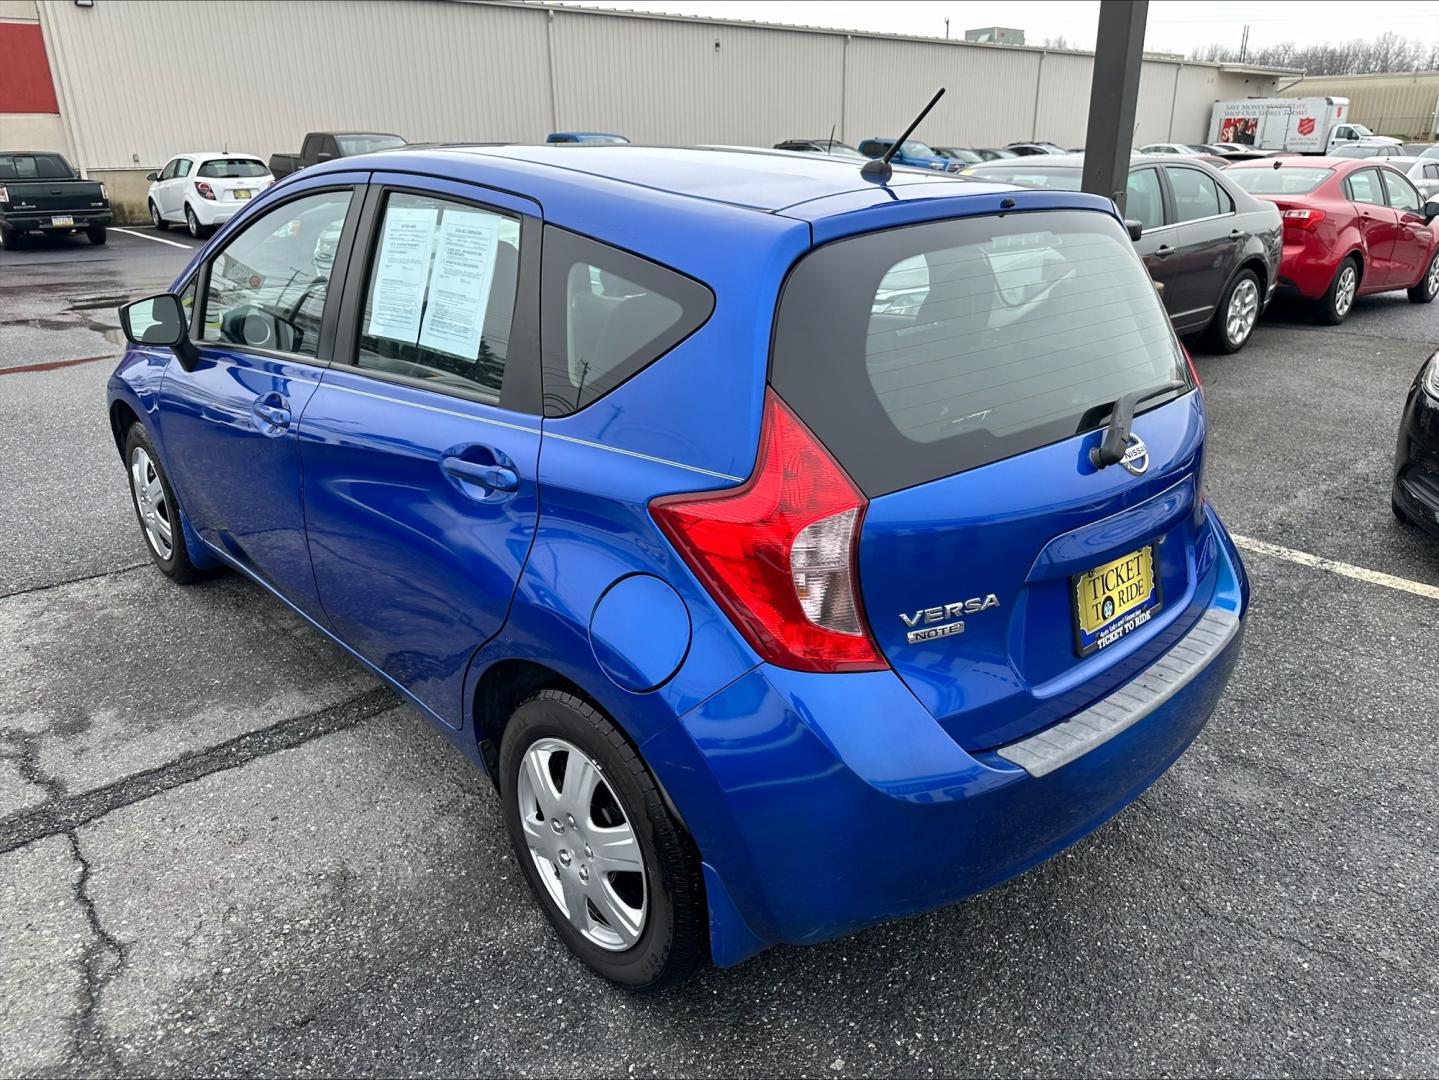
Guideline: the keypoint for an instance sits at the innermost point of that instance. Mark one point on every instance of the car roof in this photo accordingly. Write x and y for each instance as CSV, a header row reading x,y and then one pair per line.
x,y
749,178
206,155
1076,161
1301,161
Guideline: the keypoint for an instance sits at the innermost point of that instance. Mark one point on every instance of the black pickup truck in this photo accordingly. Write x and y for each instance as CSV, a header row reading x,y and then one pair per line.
x,y
40,192
326,145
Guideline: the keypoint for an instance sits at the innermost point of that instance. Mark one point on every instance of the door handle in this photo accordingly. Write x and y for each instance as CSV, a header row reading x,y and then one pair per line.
x,y
492,477
1163,251
272,413
1236,234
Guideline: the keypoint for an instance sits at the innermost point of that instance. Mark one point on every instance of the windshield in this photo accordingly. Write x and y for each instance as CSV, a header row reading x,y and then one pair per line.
x,y
961,155
233,168
350,145
926,350
1362,131
918,149
1357,152
34,167
1268,180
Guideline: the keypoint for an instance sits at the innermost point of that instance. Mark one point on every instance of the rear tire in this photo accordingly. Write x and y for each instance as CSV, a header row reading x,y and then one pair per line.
x,y
9,238
1236,314
156,509
156,220
97,234
1338,300
672,938
198,231
1428,286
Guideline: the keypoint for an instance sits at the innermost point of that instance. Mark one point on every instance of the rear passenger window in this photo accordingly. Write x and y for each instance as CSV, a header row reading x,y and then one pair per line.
x,y
441,295
1196,195
1364,187
606,315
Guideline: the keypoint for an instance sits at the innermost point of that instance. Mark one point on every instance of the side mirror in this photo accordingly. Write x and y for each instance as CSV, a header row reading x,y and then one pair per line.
x,y
1136,228
159,320
152,177
323,156
1431,210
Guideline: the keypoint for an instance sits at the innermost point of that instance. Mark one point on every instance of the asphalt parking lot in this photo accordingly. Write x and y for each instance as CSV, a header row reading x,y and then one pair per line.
x,y
225,848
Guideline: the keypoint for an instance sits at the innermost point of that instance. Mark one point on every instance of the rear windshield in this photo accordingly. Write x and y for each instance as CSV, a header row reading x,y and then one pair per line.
x,y
923,351
34,167
350,145
232,168
1282,181
1039,176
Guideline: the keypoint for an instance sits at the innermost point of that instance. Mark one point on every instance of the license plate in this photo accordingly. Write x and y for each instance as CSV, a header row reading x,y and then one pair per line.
x,y
241,193
60,220
1114,600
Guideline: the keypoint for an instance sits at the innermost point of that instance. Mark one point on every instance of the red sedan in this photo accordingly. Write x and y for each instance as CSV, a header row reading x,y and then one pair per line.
x,y
1352,227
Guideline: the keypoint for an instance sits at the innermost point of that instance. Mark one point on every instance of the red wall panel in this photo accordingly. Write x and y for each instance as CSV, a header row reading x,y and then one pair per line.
x,y
25,83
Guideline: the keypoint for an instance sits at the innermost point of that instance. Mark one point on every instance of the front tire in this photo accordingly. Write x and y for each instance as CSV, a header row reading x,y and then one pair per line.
x,y
156,509
1338,301
97,234
1428,286
613,871
155,219
1236,314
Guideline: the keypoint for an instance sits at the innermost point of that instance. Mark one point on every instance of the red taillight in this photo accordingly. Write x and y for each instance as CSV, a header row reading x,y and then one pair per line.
x,y
1302,219
205,190
778,553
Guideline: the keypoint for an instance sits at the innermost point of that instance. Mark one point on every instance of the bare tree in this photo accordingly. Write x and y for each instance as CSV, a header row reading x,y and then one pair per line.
x,y
1387,52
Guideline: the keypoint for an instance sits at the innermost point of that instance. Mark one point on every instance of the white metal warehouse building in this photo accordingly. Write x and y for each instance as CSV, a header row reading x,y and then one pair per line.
x,y
137,81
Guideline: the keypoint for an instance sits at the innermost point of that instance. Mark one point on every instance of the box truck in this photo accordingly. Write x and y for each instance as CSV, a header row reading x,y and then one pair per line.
x,y
1298,125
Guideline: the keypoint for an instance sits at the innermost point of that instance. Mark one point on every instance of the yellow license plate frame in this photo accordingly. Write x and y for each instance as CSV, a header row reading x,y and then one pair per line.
x,y
1113,600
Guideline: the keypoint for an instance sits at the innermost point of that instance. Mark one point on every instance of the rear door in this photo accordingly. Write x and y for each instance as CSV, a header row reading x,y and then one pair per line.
x,y
264,330
1378,225
421,446
1007,580
1147,202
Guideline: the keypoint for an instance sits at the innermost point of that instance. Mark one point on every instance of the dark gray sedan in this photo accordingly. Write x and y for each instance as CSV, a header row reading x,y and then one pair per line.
x,y
1213,246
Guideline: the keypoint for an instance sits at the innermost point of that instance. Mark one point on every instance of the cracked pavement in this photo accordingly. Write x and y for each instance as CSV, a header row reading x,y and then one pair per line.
x,y
224,848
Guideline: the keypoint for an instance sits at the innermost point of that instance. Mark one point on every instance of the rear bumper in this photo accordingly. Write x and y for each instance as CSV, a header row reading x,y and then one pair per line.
x,y
823,804
1416,462
30,220
215,213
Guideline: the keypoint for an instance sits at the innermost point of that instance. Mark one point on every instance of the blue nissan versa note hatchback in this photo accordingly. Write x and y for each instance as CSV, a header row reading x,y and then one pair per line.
x,y
795,551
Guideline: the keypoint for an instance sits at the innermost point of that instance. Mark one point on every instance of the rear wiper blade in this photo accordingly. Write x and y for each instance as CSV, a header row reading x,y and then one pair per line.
x,y
1111,448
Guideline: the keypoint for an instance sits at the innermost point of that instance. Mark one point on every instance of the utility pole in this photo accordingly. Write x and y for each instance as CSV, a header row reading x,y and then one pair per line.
x,y
1244,43
1114,97
946,28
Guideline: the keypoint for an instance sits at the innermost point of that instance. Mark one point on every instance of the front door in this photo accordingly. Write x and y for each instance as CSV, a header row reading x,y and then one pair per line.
x,y
1414,238
229,426
421,445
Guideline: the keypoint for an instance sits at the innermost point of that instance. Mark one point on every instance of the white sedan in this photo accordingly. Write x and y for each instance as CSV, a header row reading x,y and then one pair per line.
x,y
203,191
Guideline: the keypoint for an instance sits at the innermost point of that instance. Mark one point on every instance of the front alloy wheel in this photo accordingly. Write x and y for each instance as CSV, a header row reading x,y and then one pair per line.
x,y
151,504
1243,311
582,844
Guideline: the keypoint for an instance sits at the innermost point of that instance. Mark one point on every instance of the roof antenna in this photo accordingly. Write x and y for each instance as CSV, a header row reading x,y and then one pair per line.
x,y
829,149
879,169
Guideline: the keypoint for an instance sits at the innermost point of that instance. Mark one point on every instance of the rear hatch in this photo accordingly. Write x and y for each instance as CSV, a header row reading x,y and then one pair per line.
x,y
54,196
234,180
1007,579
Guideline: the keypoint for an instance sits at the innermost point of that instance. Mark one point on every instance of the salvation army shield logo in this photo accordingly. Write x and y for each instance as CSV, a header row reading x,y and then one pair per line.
x,y
1306,125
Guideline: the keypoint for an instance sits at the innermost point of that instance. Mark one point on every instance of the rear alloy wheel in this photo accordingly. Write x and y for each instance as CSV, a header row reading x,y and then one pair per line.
x,y
617,877
155,219
1336,304
1428,286
193,223
1236,315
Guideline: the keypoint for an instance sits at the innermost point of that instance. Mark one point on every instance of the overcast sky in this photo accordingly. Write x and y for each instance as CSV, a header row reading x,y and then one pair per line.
x,y
1174,25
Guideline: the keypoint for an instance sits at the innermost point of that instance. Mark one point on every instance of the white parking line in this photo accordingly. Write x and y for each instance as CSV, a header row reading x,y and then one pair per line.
x,y
158,240
1358,573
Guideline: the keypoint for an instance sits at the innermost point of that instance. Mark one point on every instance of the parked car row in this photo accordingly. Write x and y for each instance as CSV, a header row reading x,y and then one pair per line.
x,y
1222,242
